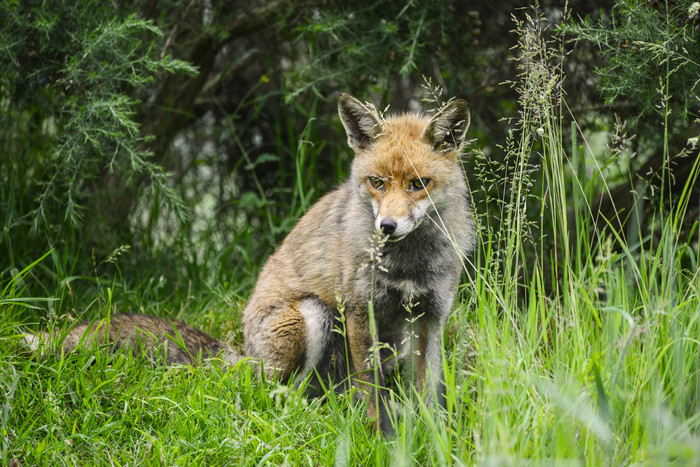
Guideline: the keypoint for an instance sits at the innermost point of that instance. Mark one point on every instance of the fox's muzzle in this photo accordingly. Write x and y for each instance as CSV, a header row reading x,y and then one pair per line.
x,y
395,228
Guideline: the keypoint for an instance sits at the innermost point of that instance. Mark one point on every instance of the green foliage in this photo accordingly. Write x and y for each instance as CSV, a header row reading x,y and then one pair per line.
x,y
69,71
369,42
651,47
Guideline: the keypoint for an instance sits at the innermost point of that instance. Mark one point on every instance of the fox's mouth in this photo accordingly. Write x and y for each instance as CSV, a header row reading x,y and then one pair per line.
x,y
397,233
396,239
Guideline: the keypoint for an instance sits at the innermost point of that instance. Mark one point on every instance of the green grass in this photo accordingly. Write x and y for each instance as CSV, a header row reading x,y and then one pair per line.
x,y
607,374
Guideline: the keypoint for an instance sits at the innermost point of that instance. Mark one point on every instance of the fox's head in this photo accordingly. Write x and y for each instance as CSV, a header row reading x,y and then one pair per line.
x,y
405,166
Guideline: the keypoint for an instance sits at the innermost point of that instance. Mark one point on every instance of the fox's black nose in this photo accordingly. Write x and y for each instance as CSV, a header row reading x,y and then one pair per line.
x,y
388,226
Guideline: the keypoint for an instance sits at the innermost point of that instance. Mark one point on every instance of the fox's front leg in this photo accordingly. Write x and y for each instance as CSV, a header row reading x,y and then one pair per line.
x,y
367,372
428,360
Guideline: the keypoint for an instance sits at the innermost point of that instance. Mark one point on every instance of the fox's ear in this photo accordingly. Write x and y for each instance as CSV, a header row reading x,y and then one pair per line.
x,y
447,129
361,123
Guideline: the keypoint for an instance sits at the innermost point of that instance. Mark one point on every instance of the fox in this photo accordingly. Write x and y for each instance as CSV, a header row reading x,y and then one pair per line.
x,y
406,182
369,273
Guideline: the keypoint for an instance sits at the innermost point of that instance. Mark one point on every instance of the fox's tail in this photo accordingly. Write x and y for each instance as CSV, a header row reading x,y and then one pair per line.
x,y
35,342
148,335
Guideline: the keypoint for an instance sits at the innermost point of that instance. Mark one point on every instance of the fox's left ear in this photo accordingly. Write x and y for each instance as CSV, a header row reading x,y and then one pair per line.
x,y
446,131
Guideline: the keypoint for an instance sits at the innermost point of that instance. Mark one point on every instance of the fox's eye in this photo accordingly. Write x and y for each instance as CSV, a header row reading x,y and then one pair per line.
x,y
376,183
419,183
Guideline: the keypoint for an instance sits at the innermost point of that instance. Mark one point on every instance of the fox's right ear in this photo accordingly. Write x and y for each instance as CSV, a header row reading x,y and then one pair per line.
x,y
362,124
